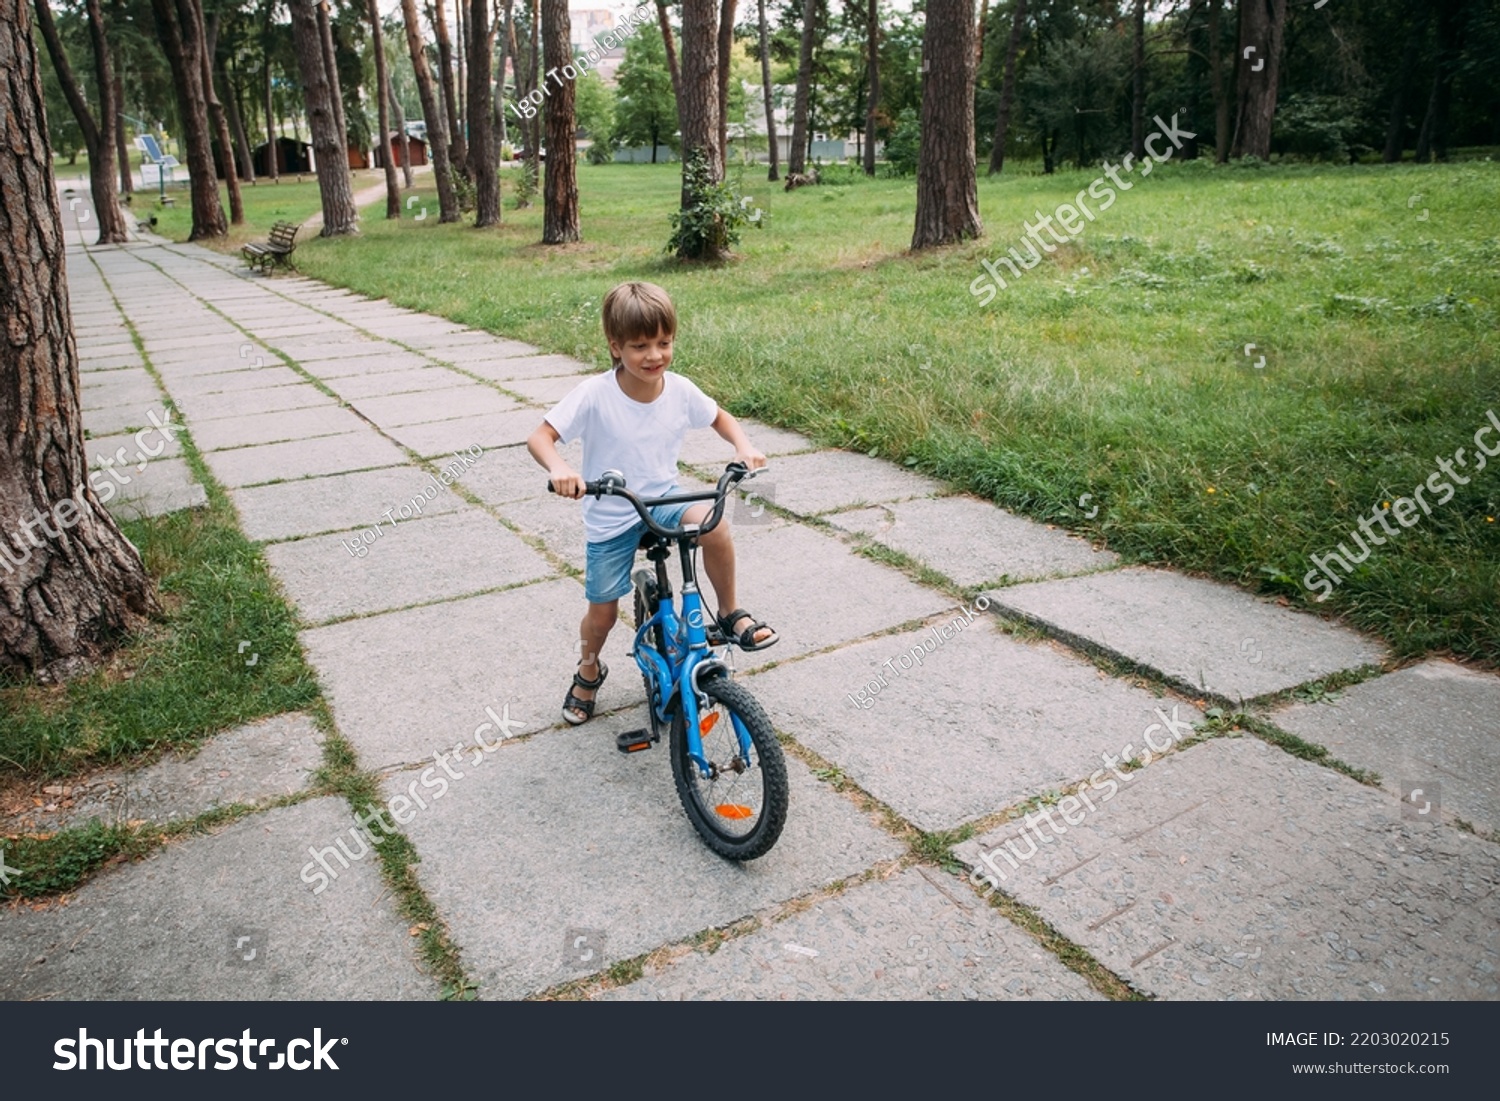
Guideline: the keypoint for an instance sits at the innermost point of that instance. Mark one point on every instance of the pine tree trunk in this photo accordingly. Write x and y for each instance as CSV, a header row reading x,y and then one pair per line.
x,y
535,81
382,78
797,160
177,32
331,68
507,50
765,85
698,108
1396,126
71,584
273,170
122,147
208,35
671,47
458,153
1262,26
484,158
403,144
726,53
1007,88
332,153
560,184
1138,83
99,141
1432,140
437,141
872,55
231,102
947,191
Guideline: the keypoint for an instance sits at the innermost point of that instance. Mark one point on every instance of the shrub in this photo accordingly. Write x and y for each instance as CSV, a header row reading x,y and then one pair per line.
x,y
713,224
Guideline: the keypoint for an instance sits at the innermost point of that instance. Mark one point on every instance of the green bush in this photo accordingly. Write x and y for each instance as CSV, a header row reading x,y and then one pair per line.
x,y
713,224
902,146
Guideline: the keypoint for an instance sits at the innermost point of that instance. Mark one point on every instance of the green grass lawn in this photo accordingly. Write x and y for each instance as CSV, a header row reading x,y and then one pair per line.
x,y
265,203
1116,368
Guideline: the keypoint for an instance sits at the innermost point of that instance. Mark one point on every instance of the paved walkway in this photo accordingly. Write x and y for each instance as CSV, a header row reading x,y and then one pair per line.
x,y
1224,868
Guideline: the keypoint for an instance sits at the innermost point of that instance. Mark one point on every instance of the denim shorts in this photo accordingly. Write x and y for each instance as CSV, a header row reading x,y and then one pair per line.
x,y
608,564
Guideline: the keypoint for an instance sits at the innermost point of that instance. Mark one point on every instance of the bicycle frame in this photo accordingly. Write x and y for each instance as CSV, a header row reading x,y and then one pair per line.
x,y
678,679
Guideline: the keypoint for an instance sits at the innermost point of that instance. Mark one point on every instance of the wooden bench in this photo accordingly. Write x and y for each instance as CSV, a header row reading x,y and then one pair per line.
x,y
277,251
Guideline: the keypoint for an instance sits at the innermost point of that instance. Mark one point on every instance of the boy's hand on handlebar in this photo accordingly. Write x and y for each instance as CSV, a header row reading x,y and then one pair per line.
x,y
751,458
565,483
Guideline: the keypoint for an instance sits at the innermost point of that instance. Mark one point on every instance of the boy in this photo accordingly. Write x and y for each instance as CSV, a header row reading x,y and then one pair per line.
x,y
633,419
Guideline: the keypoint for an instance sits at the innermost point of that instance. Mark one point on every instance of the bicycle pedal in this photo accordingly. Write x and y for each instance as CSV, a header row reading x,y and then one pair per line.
x,y
633,741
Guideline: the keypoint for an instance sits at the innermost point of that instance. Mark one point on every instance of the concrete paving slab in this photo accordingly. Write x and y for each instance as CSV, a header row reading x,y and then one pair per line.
x,y
529,845
972,542
487,430
1235,871
250,764
509,474
128,387
479,351
704,448
306,351
985,722
545,392
373,363
407,684
518,367
1199,635
180,924
919,936
115,419
417,561
411,380
426,406
216,359
274,427
163,486
460,337
1433,727
550,519
105,450
231,382
338,502
815,591
828,480
303,458
249,403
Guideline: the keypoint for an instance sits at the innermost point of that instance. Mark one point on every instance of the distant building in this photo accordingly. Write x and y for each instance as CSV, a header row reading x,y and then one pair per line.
x,y
416,149
291,156
828,147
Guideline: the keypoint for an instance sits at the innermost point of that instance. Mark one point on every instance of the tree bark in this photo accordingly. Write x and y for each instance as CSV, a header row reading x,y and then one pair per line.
x,y
458,152
698,108
666,37
947,191
273,170
1138,83
331,68
382,81
484,164
177,31
507,45
1432,139
534,81
403,144
332,152
216,111
122,147
1218,84
236,123
1396,126
437,141
765,85
1262,26
460,48
1007,88
99,141
726,52
797,160
872,54
71,584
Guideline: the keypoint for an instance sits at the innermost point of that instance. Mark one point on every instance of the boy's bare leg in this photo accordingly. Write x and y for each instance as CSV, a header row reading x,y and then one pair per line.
x,y
592,633
718,563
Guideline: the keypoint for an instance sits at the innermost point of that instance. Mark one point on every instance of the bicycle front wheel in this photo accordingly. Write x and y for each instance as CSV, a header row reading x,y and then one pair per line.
x,y
740,808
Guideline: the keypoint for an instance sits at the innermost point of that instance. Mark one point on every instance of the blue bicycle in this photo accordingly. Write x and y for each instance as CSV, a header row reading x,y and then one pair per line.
x,y
728,766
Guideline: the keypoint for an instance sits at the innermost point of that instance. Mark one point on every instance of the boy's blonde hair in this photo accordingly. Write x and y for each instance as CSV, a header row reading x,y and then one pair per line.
x,y
635,310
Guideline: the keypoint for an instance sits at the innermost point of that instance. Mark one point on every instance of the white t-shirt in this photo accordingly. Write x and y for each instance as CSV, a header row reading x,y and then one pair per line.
x,y
640,439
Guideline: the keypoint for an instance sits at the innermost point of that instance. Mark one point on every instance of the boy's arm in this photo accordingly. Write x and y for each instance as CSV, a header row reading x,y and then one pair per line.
x,y
744,452
542,444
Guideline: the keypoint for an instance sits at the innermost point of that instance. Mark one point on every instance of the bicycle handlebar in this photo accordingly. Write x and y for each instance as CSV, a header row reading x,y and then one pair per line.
x,y
612,484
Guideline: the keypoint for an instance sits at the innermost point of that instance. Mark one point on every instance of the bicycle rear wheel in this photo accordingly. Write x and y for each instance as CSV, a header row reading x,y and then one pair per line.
x,y
740,809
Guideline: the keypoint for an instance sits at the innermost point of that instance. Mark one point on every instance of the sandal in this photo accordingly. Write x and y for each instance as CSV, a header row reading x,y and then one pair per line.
x,y
574,703
746,638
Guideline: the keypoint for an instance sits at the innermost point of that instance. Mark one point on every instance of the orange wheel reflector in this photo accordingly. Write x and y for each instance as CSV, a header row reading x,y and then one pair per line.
x,y
707,724
733,810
